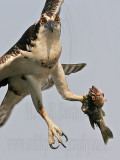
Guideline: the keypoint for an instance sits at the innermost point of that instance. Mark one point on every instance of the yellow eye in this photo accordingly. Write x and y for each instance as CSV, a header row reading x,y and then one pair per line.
x,y
43,20
57,20
93,98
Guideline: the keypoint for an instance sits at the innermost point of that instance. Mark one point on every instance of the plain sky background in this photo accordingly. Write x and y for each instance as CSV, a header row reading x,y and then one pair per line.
x,y
90,34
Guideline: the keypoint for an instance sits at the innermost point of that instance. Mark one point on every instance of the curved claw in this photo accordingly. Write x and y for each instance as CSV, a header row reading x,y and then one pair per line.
x,y
54,147
63,134
63,145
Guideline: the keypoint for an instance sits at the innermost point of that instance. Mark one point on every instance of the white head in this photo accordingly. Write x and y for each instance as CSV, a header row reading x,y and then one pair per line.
x,y
50,24
49,20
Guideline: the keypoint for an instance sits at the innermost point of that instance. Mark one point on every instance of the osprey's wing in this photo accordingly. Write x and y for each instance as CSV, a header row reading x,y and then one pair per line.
x,y
9,64
7,105
13,63
68,69
48,83
52,7
72,68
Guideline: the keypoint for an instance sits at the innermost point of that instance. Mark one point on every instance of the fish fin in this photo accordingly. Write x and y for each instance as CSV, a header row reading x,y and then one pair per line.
x,y
105,131
103,113
92,123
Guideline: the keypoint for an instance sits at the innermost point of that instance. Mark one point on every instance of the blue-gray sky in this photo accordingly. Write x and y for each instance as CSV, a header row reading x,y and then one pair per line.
x,y
90,34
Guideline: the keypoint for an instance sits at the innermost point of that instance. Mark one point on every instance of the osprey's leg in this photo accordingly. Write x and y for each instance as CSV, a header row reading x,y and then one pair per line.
x,y
60,82
53,129
7,105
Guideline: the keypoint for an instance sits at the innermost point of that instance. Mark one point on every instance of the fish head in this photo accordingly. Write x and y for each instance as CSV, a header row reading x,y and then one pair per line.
x,y
95,98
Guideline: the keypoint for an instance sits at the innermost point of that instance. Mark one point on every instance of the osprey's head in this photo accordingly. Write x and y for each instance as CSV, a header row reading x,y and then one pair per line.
x,y
50,24
49,20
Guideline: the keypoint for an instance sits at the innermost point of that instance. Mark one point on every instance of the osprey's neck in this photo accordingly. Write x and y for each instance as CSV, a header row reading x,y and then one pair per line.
x,y
46,46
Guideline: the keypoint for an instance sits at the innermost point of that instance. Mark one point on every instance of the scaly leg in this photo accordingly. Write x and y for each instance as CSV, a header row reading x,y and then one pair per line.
x,y
53,129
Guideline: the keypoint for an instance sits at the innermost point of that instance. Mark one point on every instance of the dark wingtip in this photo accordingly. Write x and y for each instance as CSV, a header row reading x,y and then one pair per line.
x,y
82,65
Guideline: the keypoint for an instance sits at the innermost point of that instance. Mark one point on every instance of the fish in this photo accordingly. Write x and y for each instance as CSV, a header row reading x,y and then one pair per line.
x,y
92,106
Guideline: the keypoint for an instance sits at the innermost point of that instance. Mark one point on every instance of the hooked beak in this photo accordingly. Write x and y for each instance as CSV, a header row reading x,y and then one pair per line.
x,y
50,25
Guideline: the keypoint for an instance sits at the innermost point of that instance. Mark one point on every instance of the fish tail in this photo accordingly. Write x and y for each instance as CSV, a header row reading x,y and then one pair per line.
x,y
105,131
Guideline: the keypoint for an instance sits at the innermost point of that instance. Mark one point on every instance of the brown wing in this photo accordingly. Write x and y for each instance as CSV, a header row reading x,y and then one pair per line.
x,y
13,62
52,7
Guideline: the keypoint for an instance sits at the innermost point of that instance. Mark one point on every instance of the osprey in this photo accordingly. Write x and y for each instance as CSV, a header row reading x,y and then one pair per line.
x,y
33,65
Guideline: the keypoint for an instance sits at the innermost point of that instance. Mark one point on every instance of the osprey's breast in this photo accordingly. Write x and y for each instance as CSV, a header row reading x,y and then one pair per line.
x,y
47,50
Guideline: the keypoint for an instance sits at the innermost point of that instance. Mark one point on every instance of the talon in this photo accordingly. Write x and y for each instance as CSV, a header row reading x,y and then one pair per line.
x,y
54,147
62,144
63,134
